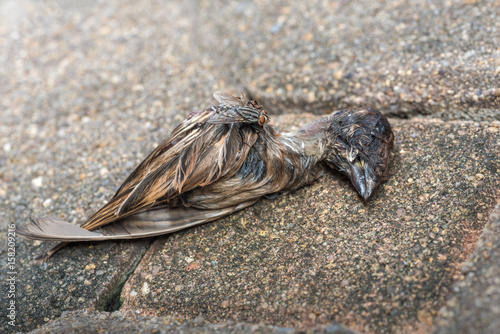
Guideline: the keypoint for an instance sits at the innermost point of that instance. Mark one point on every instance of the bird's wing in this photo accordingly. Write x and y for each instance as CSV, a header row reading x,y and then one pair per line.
x,y
145,224
196,154
179,135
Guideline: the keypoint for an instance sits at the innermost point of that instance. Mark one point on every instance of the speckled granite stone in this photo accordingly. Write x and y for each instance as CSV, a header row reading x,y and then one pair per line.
x,y
87,90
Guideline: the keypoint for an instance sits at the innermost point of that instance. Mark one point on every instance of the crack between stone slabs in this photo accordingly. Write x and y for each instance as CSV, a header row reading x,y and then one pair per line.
x,y
279,106
400,109
111,301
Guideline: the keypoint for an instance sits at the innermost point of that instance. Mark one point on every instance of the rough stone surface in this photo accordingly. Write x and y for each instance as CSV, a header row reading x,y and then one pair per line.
x,y
86,321
436,58
475,305
86,95
89,88
79,276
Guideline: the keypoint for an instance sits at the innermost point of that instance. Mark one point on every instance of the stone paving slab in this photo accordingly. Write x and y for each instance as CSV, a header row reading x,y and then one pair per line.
x,y
85,321
321,255
435,58
475,305
80,276
89,87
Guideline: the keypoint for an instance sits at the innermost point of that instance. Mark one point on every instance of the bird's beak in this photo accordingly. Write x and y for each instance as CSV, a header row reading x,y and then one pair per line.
x,y
363,178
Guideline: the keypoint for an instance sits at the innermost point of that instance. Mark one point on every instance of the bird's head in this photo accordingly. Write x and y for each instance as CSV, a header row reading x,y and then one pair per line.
x,y
355,142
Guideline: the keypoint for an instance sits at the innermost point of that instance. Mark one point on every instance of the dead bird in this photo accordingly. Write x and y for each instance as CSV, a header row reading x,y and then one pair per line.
x,y
223,159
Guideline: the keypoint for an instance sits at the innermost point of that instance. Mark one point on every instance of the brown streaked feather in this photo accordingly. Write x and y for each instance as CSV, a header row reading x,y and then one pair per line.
x,y
180,133
183,161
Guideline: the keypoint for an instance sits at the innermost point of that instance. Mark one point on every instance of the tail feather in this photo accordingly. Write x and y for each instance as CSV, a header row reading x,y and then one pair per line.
x,y
141,225
54,229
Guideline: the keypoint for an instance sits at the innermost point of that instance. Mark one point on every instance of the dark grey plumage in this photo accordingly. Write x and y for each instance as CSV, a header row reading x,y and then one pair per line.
x,y
205,170
358,143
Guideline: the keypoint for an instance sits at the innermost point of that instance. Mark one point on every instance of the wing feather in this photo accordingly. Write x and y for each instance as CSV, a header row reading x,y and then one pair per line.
x,y
193,156
145,224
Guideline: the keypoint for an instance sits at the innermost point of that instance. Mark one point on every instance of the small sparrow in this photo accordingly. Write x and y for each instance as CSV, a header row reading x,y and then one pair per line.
x,y
223,159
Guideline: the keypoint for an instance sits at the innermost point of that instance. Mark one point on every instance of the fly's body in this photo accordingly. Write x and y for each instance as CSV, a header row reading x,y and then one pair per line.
x,y
238,111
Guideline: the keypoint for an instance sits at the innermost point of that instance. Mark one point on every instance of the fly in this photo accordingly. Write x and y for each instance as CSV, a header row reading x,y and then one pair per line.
x,y
251,112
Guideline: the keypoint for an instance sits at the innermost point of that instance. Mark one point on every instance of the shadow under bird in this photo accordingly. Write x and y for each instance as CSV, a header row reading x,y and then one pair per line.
x,y
223,159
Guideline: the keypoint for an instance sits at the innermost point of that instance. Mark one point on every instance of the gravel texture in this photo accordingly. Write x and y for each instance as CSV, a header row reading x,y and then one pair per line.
x,y
80,276
90,87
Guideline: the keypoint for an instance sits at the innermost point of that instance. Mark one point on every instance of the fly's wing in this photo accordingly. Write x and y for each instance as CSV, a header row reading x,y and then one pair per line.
x,y
233,109
230,100
145,224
